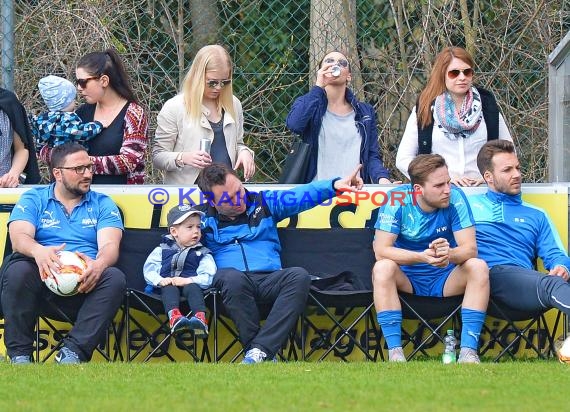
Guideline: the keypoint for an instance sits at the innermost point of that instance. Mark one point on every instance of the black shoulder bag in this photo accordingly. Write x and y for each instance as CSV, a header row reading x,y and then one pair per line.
x,y
296,163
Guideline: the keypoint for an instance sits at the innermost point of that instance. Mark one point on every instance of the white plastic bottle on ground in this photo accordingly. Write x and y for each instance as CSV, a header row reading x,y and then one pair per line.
x,y
449,353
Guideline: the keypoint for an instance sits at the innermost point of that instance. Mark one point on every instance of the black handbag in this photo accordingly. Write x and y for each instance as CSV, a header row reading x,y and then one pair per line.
x,y
296,163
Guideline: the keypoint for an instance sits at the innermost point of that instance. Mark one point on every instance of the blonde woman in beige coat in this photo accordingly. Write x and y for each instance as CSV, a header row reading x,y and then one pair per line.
x,y
205,109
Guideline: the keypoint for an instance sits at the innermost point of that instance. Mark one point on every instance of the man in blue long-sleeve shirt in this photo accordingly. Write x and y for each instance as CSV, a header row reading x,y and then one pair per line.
x,y
511,234
240,228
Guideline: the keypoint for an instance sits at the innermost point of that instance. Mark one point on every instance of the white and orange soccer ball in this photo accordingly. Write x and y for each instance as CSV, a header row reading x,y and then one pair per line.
x,y
564,351
66,281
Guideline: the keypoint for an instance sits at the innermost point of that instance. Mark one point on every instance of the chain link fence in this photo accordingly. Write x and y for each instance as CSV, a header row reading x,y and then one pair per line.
x,y
276,45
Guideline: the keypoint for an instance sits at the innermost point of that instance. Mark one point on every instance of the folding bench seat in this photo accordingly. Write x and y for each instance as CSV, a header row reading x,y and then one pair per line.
x,y
333,318
51,316
519,328
136,245
433,315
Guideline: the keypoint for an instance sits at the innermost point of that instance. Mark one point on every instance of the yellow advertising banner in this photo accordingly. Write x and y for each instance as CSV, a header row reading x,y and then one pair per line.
x,y
145,207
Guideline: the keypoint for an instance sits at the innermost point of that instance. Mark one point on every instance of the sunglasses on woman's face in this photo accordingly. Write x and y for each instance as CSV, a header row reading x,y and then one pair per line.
x,y
341,62
83,82
452,74
215,83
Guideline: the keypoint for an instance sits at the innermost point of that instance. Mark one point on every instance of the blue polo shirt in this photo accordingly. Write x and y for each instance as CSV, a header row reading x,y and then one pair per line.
x,y
416,229
54,226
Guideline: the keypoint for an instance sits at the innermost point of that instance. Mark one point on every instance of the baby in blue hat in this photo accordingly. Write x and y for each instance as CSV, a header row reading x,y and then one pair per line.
x,y
60,124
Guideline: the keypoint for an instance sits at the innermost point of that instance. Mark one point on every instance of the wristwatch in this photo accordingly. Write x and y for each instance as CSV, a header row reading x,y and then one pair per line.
x,y
179,162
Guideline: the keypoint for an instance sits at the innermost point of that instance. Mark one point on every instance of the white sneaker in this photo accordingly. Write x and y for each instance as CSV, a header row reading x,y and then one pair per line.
x,y
468,355
564,351
254,355
396,355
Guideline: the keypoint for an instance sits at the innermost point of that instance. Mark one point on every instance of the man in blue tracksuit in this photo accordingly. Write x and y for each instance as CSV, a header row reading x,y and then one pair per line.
x,y
511,234
240,228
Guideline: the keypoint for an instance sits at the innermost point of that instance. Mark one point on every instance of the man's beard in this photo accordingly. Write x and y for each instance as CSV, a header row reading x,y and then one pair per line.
x,y
76,190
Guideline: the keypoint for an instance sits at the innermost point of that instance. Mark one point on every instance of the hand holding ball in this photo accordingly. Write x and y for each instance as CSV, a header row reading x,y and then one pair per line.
x,y
65,282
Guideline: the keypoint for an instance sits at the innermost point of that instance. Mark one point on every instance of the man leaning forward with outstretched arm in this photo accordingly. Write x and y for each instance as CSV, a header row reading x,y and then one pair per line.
x,y
426,245
240,228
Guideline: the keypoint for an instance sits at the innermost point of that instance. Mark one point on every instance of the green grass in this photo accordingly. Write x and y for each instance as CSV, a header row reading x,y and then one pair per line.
x,y
328,386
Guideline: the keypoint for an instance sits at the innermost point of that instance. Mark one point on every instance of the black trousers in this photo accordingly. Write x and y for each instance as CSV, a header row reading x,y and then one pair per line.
x,y
285,291
25,296
170,296
529,290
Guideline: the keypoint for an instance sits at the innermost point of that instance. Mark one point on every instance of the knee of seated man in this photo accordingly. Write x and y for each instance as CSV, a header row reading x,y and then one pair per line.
x,y
16,275
115,278
229,277
545,280
477,268
384,269
300,276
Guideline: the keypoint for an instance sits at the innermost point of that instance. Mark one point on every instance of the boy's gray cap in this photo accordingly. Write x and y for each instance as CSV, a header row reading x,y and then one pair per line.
x,y
180,213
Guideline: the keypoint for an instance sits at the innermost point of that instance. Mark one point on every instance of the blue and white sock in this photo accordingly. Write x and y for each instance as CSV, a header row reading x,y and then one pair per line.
x,y
471,329
390,321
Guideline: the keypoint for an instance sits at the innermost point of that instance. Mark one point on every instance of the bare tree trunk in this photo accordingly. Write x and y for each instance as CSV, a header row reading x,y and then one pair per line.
x,y
333,28
180,41
468,30
205,23
175,29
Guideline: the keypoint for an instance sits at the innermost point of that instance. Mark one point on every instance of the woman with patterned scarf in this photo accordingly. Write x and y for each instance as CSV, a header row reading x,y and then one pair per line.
x,y
452,118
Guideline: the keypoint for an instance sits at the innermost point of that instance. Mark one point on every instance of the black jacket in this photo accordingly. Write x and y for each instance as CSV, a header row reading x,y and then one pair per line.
x,y
10,105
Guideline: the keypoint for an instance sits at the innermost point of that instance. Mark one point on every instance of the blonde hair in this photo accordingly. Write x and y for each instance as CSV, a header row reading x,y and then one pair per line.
x,y
211,57
422,166
436,83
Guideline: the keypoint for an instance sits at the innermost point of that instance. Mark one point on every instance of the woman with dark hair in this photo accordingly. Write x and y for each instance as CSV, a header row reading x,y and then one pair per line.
x,y
340,129
452,118
118,152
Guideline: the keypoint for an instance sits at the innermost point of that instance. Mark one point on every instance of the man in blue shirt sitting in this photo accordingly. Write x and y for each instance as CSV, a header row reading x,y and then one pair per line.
x,y
240,228
425,244
64,215
512,234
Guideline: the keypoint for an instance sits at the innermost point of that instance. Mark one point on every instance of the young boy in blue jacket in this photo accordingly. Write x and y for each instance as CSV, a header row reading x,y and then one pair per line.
x,y
181,265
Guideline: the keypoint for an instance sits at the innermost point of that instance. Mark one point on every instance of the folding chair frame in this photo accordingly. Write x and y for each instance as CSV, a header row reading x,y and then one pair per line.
x,y
324,301
418,308
59,336
222,319
141,300
534,321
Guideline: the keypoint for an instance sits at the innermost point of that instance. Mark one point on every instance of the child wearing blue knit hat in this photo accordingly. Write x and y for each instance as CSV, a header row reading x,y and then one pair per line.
x,y
60,124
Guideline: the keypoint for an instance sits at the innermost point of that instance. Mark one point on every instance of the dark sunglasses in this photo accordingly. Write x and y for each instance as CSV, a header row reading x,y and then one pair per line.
x,y
83,82
452,74
215,83
341,62
80,170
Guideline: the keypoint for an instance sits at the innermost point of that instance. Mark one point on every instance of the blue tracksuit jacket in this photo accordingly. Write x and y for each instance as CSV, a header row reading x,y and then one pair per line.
x,y
250,242
512,232
306,119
